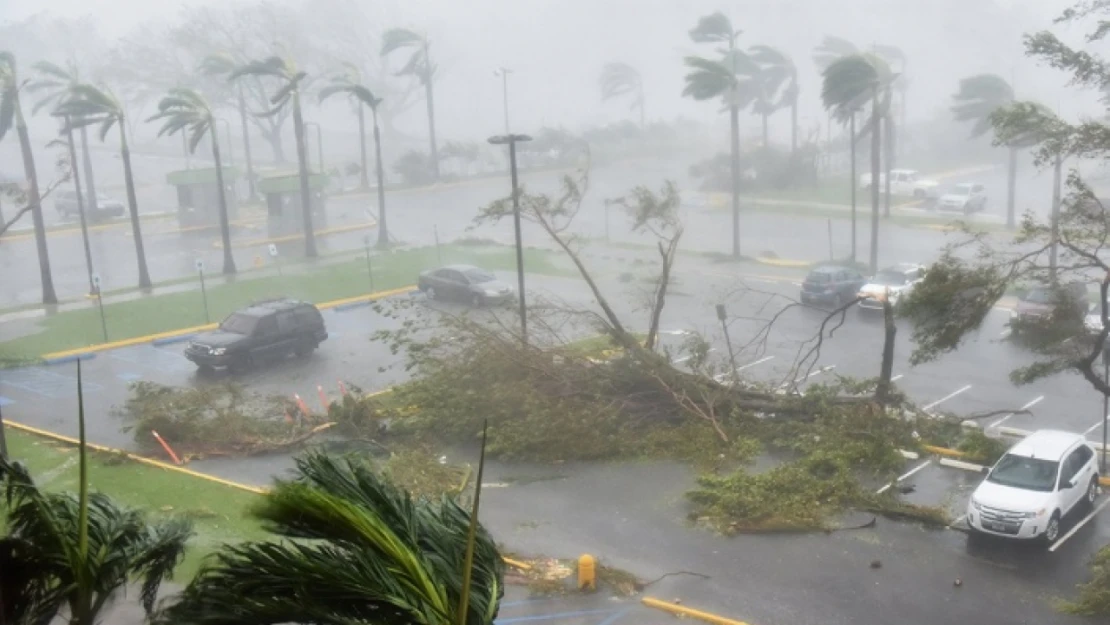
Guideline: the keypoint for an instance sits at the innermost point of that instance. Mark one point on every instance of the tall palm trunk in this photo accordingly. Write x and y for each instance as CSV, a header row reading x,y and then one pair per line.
x,y
888,156
383,230
642,122
133,207
246,140
734,132
876,132
48,294
1057,174
86,165
364,182
794,126
225,227
1011,187
766,133
80,203
302,170
429,100
854,181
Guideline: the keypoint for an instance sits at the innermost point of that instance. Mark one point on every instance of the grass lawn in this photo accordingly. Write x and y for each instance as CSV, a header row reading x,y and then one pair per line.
x,y
170,311
219,513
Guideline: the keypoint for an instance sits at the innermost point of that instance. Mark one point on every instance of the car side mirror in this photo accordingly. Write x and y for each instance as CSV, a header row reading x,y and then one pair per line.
x,y
985,470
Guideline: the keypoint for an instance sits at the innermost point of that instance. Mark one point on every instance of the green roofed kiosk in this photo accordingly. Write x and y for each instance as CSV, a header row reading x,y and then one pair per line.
x,y
198,203
283,202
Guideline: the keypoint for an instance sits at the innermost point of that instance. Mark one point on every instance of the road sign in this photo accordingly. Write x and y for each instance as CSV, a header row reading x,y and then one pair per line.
x,y
96,281
200,265
366,240
273,250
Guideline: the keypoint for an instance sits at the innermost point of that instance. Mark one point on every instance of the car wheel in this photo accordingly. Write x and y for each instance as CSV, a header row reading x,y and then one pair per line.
x,y
205,369
1092,491
838,301
1052,531
478,301
241,364
430,293
304,350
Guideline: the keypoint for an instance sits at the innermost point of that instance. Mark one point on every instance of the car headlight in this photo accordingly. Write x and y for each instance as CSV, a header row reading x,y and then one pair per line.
x,y
976,505
1033,515
217,351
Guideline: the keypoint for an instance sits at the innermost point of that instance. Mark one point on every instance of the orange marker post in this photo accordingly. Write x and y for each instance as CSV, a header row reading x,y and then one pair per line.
x,y
342,388
166,446
301,405
323,397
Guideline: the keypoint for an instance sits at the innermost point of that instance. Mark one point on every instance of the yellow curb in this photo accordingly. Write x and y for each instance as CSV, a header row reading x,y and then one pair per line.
x,y
944,451
1104,481
141,459
783,262
211,326
517,564
963,172
680,610
296,237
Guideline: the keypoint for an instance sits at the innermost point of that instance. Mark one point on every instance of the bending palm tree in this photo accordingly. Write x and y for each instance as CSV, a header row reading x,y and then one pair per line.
x,y
351,76
77,552
848,82
364,552
289,94
222,65
779,73
363,97
87,105
831,50
11,113
709,79
978,97
891,54
621,79
419,65
186,111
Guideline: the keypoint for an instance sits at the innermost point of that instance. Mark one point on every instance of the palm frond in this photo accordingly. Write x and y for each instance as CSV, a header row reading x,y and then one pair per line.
x,y
978,97
891,54
8,96
397,38
50,69
102,99
273,66
831,49
707,78
199,130
619,79
713,28
848,81
217,64
358,92
106,126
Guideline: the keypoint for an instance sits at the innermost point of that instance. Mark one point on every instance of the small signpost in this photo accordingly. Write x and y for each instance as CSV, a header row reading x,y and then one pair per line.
x,y
274,255
100,304
203,291
369,266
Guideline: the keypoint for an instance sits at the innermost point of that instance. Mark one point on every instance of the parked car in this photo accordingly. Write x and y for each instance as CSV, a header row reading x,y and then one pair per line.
x,y
1041,301
262,332
831,285
967,198
65,202
1034,485
895,281
904,182
465,283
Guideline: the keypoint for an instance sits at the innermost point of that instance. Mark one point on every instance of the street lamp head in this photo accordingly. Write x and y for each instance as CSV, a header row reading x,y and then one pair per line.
x,y
506,139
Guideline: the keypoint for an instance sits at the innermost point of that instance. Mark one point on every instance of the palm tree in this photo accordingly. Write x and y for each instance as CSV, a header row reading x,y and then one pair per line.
x,y
709,79
778,76
978,97
831,50
621,79
351,76
289,94
363,97
222,65
419,65
78,552
891,54
186,111
11,113
848,82
87,105
360,550
56,81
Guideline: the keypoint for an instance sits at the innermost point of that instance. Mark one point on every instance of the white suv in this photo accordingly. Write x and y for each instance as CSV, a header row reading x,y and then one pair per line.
x,y
1034,485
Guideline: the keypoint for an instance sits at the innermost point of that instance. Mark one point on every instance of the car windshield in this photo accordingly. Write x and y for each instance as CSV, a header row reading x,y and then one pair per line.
x,y
960,189
890,278
1025,473
819,278
239,323
477,276
1039,295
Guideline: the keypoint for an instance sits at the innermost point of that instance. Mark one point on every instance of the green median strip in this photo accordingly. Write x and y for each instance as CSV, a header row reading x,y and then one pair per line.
x,y
156,314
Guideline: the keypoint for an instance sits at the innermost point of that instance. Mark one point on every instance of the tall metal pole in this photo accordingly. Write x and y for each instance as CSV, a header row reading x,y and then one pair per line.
x,y
504,73
1105,411
519,245
80,203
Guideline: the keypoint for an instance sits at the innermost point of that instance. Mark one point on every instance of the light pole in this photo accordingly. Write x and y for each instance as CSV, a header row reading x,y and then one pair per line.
x,y
1105,409
512,140
319,143
80,202
504,72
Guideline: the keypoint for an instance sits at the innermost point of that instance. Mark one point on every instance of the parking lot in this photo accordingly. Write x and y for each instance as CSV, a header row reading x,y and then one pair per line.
x,y
633,514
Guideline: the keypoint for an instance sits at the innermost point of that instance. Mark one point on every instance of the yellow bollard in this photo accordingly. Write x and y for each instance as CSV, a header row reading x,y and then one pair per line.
x,y
587,573
257,261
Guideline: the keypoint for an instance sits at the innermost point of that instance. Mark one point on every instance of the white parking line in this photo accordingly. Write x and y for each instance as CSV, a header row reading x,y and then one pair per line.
x,y
904,476
896,378
1025,407
1092,428
752,364
1005,333
687,358
945,398
1086,519
959,519
808,376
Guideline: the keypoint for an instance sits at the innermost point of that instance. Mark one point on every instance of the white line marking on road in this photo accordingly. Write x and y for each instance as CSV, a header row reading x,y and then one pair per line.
x,y
959,519
1005,333
679,361
752,364
904,476
1092,428
945,398
808,376
896,378
1086,519
1025,407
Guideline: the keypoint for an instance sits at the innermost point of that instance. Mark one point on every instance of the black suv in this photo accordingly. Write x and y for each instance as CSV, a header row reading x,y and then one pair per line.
x,y
259,333
831,285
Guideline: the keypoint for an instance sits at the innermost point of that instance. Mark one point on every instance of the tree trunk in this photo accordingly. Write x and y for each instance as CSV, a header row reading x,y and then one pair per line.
x,y
890,330
888,159
383,230
429,100
133,208
80,204
86,165
246,141
221,194
794,126
876,132
276,144
854,180
302,167
1011,188
734,138
766,133
1057,173
364,178
35,201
